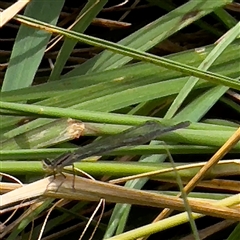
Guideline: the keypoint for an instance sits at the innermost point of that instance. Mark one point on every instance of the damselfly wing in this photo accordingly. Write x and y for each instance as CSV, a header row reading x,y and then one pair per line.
x,y
131,137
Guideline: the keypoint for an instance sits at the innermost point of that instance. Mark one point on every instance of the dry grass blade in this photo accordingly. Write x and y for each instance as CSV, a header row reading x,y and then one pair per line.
x,y
59,37
213,161
207,232
167,170
8,229
89,190
48,214
7,14
101,202
215,184
233,7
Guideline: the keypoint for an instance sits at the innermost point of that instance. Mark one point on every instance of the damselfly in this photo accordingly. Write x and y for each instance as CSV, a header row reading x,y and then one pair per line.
x,y
131,137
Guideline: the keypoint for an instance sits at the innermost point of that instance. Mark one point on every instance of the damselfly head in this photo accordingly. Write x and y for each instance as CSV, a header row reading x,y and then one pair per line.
x,y
56,165
47,165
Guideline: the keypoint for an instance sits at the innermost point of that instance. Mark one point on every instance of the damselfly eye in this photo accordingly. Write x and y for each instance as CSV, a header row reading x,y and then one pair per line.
x,y
46,163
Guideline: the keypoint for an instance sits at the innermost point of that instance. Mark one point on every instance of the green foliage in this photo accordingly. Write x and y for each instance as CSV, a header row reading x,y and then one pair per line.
x,y
110,92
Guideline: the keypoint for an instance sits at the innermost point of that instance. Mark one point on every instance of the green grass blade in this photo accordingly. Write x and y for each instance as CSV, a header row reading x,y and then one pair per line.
x,y
213,55
150,35
91,9
185,69
226,64
30,45
235,233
